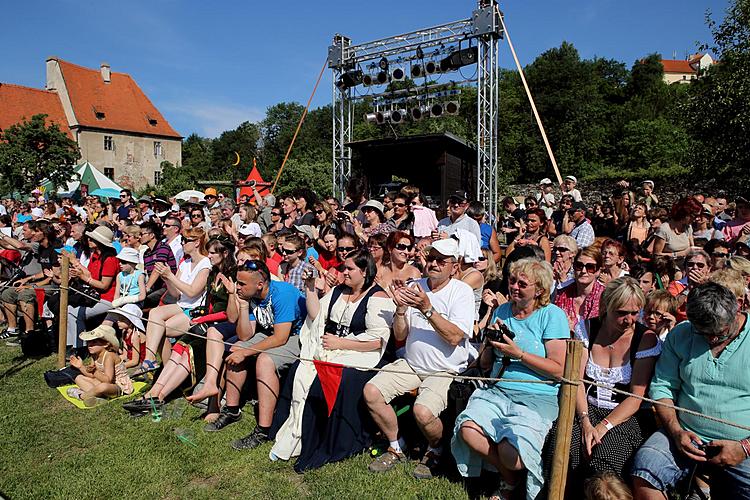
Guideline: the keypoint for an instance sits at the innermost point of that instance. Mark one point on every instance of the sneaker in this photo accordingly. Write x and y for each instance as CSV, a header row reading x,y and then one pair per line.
x,y
387,461
426,468
252,440
143,405
225,418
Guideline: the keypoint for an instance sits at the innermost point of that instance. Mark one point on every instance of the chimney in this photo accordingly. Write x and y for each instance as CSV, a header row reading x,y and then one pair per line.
x,y
51,73
106,72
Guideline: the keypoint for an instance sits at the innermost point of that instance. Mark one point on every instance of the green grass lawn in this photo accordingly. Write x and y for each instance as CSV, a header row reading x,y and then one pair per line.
x,y
50,449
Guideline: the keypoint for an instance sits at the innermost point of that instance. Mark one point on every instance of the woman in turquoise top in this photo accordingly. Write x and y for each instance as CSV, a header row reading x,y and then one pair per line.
x,y
505,424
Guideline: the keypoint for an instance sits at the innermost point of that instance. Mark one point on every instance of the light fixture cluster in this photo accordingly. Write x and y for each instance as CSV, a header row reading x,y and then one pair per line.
x,y
416,113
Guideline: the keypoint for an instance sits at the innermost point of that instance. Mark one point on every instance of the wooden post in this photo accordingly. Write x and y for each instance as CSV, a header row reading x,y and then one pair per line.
x,y
62,334
565,420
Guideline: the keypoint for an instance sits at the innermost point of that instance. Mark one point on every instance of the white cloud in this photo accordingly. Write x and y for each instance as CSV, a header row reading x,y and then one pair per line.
x,y
210,120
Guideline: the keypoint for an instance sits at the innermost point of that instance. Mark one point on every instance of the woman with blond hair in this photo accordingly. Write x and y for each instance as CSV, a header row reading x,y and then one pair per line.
x,y
505,424
188,285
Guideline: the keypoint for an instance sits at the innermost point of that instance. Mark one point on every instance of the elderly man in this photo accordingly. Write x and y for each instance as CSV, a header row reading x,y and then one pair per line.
x,y
433,317
457,218
582,230
703,367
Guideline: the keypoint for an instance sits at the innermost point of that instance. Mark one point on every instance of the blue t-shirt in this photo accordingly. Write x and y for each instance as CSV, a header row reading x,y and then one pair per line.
x,y
283,304
486,231
23,218
546,323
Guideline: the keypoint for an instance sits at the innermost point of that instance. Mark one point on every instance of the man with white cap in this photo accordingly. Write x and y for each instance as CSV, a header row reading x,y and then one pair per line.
x,y
569,187
433,317
458,203
545,198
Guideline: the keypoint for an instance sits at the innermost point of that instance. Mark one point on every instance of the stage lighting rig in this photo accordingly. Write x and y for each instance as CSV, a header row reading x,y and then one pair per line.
x,y
459,59
398,74
349,79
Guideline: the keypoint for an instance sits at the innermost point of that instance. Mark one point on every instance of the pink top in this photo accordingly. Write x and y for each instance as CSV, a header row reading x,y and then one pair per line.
x,y
425,221
590,306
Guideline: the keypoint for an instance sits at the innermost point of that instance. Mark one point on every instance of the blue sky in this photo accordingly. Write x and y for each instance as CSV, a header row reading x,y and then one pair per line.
x,y
211,65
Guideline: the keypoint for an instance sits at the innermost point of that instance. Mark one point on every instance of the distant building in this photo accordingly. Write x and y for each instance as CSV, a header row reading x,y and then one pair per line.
x,y
684,71
117,128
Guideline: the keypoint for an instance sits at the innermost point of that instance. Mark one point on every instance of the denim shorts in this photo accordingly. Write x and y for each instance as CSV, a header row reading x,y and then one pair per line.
x,y
662,465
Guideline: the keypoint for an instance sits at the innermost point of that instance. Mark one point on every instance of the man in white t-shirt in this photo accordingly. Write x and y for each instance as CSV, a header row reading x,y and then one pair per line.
x,y
435,316
172,229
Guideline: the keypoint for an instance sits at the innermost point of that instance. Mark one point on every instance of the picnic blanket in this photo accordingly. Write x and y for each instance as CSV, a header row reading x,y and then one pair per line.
x,y
137,388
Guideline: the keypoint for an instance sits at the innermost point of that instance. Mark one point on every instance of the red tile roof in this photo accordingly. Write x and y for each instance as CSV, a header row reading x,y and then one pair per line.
x,y
678,66
124,105
18,103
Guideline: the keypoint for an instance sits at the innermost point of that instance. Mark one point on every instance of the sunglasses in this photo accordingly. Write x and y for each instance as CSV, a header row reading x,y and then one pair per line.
x,y
399,204
346,249
317,212
590,267
440,260
287,251
123,196
719,254
699,265
187,240
561,249
252,265
197,216
276,214
482,259
402,247
413,203
209,196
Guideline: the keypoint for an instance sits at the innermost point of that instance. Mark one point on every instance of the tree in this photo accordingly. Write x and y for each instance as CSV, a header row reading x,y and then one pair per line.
x,y
717,110
243,140
31,152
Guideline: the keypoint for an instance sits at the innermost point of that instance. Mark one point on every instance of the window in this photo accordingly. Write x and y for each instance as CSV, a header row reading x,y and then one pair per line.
x,y
109,144
109,172
157,148
157,177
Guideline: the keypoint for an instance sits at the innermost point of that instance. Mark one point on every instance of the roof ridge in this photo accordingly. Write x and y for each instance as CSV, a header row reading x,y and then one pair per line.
x,y
93,70
27,88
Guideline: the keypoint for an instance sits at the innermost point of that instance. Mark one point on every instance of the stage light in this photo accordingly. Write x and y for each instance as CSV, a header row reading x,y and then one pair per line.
x,y
451,108
382,116
367,80
398,74
419,112
371,117
458,59
349,79
383,64
398,115
382,77
432,67
436,110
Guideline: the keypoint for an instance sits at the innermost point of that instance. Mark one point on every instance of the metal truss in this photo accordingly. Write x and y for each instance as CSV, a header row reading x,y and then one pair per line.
x,y
484,28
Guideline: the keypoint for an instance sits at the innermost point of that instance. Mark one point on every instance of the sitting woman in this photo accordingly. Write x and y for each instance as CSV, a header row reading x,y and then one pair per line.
x,y
351,326
533,233
580,299
327,257
188,286
505,424
400,247
620,353
193,356
613,261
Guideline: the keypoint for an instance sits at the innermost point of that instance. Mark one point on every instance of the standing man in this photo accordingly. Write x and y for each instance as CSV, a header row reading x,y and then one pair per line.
x,y
266,317
569,187
144,203
702,367
265,205
126,203
433,317
583,231
210,195
172,228
458,202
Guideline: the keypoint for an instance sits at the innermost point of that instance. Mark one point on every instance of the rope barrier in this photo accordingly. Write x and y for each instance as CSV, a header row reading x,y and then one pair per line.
x,y
561,380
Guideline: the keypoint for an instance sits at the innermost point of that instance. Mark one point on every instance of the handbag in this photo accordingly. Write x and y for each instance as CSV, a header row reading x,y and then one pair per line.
x,y
63,376
83,295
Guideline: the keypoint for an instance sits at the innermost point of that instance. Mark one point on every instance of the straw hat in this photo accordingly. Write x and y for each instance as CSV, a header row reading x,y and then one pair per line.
x,y
104,332
103,235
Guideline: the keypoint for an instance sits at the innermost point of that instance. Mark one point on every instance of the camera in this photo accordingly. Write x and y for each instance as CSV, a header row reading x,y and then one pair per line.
x,y
343,216
497,335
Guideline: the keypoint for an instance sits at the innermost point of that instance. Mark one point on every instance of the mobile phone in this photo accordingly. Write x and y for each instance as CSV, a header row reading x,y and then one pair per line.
x,y
710,450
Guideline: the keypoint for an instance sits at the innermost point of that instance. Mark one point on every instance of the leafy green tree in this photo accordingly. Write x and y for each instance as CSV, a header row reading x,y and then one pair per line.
x,y
717,110
31,152
314,174
276,132
243,140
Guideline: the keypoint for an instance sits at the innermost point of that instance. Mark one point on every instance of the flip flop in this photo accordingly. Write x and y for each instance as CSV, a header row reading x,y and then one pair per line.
x,y
147,367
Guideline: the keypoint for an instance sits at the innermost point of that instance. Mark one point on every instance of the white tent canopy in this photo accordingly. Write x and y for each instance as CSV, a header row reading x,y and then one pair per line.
x,y
100,180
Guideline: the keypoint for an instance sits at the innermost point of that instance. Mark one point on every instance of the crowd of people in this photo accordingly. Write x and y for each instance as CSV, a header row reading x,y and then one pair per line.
x,y
226,302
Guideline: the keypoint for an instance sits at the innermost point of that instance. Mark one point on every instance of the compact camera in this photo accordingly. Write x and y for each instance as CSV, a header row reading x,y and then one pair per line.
x,y
497,335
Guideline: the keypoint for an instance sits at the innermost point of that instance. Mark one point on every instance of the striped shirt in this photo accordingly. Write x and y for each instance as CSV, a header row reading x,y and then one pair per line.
x,y
161,253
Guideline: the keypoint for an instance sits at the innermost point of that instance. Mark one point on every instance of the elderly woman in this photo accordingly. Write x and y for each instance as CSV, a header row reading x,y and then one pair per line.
x,y
564,250
613,261
505,424
580,299
374,221
620,353
350,325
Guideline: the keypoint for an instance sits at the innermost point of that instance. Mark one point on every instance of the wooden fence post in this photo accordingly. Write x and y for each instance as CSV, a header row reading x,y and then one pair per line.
x,y
565,420
62,334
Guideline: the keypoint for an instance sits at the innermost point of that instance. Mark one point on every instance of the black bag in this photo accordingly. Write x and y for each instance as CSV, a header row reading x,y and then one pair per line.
x,y
83,295
39,342
63,376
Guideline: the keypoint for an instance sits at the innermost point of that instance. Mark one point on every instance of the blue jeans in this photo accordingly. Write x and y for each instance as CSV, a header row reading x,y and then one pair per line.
x,y
662,465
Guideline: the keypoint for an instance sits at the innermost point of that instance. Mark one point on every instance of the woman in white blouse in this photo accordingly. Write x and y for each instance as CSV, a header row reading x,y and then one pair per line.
x,y
350,326
620,353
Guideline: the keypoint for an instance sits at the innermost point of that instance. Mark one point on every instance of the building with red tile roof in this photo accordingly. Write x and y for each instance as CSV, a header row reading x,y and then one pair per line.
x,y
684,71
118,129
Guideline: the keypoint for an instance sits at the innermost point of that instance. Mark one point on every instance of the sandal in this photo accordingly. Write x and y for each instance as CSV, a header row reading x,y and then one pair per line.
x,y
146,367
503,490
387,461
75,392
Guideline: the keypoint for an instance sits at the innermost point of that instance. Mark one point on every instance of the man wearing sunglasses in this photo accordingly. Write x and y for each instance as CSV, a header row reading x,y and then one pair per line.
x,y
434,317
458,203
703,367
172,228
266,317
126,203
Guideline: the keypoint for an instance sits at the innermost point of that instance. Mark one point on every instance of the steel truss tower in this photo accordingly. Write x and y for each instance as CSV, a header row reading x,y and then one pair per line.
x,y
483,28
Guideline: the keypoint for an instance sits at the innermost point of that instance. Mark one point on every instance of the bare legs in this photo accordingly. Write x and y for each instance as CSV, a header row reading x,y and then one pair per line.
x,y
93,388
214,355
268,387
169,320
382,413
175,371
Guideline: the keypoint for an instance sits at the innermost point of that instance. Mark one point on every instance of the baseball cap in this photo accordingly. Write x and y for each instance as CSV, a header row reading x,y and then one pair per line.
x,y
578,205
249,230
447,247
458,195
210,192
571,178
544,181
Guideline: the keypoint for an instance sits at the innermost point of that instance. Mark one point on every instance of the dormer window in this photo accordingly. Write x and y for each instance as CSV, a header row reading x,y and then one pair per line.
x,y
152,121
99,113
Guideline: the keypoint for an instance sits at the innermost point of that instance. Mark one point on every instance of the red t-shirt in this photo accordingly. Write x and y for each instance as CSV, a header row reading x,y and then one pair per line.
x,y
273,266
110,267
328,260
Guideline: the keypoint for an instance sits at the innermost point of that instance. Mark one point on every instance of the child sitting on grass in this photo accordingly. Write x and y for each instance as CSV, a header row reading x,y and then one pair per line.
x,y
129,321
106,376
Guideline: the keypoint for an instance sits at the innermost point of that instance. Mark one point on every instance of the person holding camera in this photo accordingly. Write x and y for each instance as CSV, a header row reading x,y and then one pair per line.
x,y
188,285
505,424
433,317
352,326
